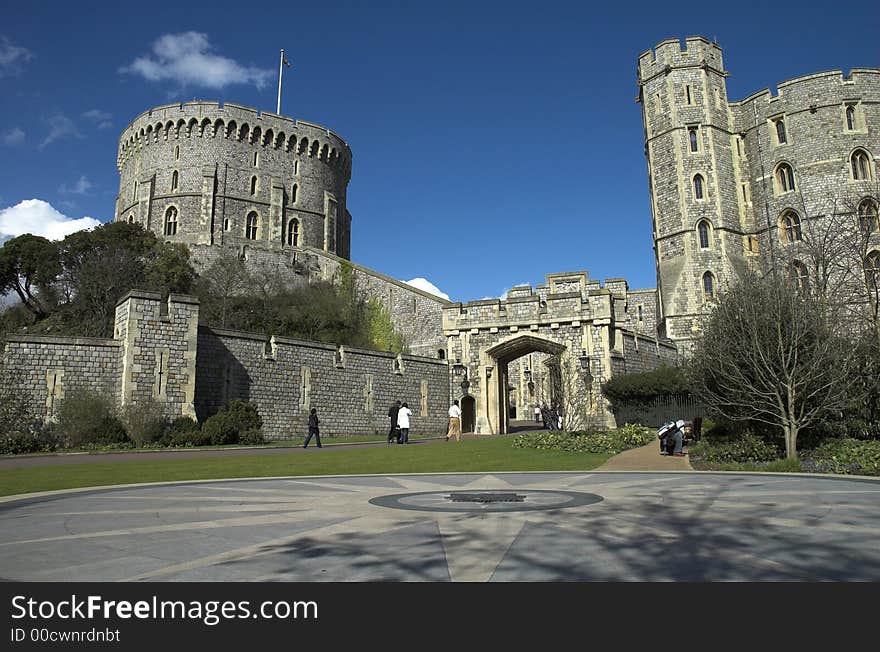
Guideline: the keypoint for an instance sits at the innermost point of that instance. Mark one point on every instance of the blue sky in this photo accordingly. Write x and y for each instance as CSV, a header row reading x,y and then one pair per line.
x,y
493,142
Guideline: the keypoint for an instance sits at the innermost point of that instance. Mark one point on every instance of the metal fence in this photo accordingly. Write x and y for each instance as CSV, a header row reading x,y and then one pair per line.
x,y
659,410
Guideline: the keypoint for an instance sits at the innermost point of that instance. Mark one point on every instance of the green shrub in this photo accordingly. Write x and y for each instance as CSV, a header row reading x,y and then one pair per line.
x,y
88,418
747,448
846,456
144,422
615,441
184,432
663,381
39,440
226,426
252,437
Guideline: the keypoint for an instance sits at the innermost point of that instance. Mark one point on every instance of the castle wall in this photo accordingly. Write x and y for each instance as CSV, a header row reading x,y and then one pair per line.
x,y
352,389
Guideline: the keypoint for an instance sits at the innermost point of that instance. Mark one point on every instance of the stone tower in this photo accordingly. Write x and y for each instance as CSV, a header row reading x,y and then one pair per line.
x,y
202,173
691,175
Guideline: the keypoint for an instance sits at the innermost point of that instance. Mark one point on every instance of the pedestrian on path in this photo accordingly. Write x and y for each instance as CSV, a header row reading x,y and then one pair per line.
x,y
403,416
313,429
394,433
537,414
454,422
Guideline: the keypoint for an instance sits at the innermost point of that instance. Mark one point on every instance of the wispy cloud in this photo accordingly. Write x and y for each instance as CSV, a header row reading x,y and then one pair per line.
x,y
60,126
102,119
187,59
12,58
427,286
14,136
81,187
40,218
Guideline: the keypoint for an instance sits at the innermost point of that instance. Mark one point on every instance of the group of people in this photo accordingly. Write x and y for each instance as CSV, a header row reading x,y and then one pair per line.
x,y
551,417
400,414
671,435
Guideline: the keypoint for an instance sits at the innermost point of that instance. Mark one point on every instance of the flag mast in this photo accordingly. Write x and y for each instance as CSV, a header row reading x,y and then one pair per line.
x,y
280,73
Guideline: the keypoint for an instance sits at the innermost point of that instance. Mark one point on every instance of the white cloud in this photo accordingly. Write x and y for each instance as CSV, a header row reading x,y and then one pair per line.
x,y
426,285
187,59
12,57
102,119
81,187
504,294
40,218
14,136
60,126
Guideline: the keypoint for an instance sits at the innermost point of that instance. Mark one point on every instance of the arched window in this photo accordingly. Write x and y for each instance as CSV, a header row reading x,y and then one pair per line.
x,y
872,270
226,225
708,287
791,227
251,226
177,152
174,181
256,159
698,186
296,167
780,131
294,191
171,221
861,165
868,222
441,354
131,219
694,141
703,230
293,233
799,276
850,117
784,178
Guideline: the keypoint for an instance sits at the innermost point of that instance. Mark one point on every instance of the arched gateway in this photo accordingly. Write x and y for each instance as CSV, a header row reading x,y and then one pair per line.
x,y
554,345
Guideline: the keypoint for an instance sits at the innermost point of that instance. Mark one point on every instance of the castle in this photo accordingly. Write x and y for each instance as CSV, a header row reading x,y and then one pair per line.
x,y
731,183
763,182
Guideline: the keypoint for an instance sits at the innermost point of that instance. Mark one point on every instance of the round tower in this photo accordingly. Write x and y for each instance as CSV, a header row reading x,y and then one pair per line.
x,y
693,178
204,173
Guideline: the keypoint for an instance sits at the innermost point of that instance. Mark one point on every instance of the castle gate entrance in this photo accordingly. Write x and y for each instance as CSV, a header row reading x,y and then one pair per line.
x,y
468,413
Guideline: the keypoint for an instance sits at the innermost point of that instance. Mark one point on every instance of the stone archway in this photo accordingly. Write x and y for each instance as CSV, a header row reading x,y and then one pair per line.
x,y
468,413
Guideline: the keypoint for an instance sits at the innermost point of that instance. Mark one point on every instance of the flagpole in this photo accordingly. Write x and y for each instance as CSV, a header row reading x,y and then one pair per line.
x,y
280,72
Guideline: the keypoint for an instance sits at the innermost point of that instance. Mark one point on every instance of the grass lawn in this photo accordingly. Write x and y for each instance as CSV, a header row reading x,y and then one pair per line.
x,y
489,454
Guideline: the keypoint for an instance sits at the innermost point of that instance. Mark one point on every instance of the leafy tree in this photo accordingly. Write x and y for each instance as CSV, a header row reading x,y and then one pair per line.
x,y
29,264
770,354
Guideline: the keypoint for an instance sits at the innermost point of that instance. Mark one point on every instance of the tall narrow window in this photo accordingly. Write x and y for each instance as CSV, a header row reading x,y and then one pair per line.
x,y
739,151
799,276
784,178
226,225
177,152
171,221
861,165
256,159
780,131
703,230
850,117
791,226
687,93
253,185
251,226
294,191
698,187
293,233
872,271
658,104
131,219
296,167
868,215
708,287
174,181
692,138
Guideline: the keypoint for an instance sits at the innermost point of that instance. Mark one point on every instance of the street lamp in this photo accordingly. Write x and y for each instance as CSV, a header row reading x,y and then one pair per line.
x,y
584,361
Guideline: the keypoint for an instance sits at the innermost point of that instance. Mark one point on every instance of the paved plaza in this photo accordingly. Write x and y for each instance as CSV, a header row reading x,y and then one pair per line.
x,y
501,527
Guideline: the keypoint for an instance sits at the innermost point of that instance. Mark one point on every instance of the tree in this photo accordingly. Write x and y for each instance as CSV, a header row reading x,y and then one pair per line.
x,y
220,283
769,353
29,264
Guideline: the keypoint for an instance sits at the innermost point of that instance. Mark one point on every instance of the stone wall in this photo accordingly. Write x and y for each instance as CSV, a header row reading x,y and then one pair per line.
x,y
352,389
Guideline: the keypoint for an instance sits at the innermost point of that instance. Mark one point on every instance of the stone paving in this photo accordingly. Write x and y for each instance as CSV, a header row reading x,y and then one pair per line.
x,y
579,526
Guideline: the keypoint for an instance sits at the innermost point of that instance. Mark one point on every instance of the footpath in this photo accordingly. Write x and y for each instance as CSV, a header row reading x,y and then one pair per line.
x,y
646,458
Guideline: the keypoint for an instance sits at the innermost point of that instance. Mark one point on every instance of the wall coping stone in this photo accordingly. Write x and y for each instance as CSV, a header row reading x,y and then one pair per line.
x,y
62,339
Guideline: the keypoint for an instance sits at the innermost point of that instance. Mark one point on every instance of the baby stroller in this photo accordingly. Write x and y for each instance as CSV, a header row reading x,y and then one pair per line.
x,y
666,434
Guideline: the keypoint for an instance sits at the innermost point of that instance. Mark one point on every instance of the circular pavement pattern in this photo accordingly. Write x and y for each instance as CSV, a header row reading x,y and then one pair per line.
x,y
627,526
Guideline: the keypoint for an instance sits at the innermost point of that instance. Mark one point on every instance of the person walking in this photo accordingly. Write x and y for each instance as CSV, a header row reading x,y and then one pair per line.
x,y
454,422
403,416
394,433
313,429
537,413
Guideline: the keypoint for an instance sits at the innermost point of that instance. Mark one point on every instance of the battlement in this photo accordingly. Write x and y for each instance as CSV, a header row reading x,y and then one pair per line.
x,y
669,54
859,81
233,122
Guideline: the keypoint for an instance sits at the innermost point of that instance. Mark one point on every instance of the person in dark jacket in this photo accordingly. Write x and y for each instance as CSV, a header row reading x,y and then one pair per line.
x,y
313,429
394,433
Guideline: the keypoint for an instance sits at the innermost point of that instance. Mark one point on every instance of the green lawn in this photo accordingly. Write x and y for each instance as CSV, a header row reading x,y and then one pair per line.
x,y
489,454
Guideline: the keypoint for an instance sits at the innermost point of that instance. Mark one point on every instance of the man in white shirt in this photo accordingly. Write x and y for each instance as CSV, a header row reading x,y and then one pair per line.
x,y
403,421
454,422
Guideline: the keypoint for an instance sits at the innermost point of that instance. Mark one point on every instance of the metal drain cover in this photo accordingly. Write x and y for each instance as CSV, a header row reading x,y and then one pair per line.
x,y
486,497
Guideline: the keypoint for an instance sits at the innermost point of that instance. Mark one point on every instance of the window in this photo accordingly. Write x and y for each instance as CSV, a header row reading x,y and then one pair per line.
x,y
751,244
850,117
688,95
256,159
780,131
296,167
658,104
698,187
294,191
177,152
171,221
739,151
791,227
293,233
798,275
708,287
784,178
693,139
174,181
253,186
131,219
703,230
861,165
226,225
745,193
868,216
641,314
251,225
872,271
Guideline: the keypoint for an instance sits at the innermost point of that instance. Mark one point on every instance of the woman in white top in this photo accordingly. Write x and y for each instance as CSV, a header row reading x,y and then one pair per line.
x,y
403,421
